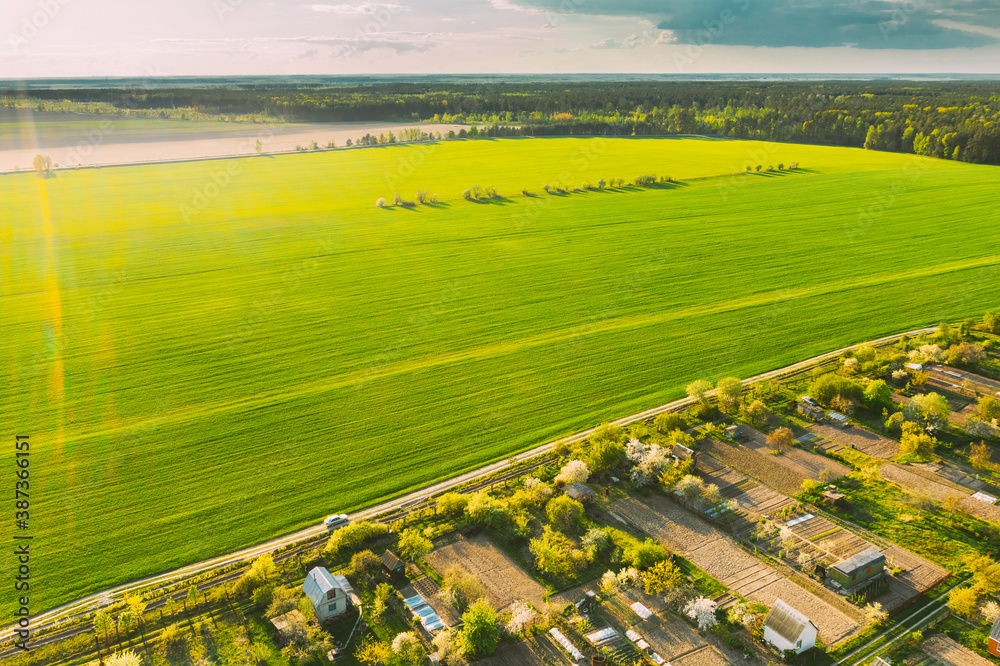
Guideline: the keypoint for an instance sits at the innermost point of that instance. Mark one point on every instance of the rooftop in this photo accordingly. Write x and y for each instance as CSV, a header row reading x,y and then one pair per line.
x,y
995,631
390,561
318,582
786,621
863,559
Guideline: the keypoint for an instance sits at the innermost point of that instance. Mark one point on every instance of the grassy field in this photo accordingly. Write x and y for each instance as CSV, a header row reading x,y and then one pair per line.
x,y
202,366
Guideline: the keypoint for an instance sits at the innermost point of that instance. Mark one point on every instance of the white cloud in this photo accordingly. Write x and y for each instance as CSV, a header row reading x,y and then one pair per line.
x,y
363,9
666,37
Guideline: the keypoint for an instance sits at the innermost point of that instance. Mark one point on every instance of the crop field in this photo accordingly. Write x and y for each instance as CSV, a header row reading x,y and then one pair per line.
x,y
206,355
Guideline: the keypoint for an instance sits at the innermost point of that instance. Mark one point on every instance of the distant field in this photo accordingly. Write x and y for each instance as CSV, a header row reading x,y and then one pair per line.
x,y
192,386
75,139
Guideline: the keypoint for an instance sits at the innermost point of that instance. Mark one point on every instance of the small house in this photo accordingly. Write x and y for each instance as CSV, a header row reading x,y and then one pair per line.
x,y
283,625
856,570
838,419
993,643
393,567
733,432
787,629
579,492
330,595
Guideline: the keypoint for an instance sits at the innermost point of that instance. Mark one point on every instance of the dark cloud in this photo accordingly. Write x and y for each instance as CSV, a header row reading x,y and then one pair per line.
x,y
867,24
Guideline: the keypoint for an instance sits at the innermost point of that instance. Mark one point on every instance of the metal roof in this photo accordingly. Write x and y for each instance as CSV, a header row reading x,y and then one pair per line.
x,y
318,583
786,621
862,560
995,631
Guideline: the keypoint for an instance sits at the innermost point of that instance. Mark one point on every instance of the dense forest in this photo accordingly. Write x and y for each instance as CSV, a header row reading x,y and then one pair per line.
x,y
953,120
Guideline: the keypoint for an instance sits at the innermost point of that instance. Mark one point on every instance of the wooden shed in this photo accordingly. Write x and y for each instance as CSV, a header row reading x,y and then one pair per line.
x,y
393,567
283,624
579,492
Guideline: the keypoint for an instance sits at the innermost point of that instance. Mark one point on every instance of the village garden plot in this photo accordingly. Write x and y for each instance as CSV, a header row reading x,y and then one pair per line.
x,y
178,371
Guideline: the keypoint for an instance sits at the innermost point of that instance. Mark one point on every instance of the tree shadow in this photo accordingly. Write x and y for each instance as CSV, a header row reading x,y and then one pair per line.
x,y
496,201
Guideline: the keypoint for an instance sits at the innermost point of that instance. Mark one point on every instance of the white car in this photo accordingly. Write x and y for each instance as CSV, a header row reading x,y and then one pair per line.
x,y
336,521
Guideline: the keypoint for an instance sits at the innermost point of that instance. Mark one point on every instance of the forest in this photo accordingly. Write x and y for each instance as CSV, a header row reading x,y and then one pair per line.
x,y
953,120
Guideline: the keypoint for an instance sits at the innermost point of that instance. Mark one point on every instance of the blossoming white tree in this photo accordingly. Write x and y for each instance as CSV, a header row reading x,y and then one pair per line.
x,y
990,611
522,616
629,577
575,471
702,611
647,462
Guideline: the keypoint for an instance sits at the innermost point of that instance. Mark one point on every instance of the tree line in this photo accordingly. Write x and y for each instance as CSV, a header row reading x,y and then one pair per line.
x,y
954,120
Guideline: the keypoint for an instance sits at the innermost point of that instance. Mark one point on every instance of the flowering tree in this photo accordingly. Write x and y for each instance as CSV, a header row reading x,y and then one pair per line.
x,y
743,614
522,616
648,463
629,577
575,471
990,611
702,611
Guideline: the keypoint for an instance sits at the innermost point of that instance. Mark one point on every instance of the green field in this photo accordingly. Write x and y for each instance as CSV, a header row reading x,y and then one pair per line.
x,y
195,385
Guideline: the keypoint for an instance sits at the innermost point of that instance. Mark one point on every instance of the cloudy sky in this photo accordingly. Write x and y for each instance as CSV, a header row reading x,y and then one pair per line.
x,y
191,37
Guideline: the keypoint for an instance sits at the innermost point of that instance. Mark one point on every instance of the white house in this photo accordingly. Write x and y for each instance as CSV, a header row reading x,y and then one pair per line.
x,y
787,629
330,595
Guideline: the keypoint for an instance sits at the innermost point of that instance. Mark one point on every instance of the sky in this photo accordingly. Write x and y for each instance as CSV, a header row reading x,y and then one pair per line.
x,y
148,38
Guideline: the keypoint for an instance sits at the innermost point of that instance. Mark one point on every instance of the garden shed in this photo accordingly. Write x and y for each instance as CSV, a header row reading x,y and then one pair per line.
x,y
787,629
579,492
993,643
392,566
811,410
864,566
283,625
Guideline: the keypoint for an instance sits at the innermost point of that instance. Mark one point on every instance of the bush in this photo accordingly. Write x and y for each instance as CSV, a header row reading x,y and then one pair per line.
x,y
461,589
364,566
604,454
555,555
830,386
452,503
467,195
422,196
352,536
565,514
488,511
643,181
263,596
670,421
643,554
282,601
380,202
